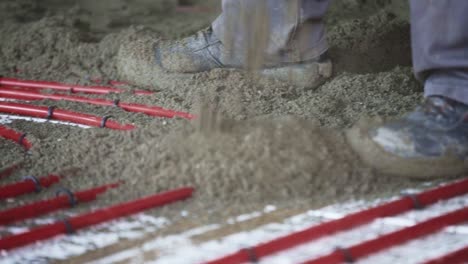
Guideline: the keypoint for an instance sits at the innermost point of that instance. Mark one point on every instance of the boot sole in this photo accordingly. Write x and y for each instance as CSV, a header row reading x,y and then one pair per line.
x,y
376,157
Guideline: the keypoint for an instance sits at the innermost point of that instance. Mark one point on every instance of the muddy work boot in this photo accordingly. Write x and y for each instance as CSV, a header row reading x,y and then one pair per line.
x,y
203,52
432,141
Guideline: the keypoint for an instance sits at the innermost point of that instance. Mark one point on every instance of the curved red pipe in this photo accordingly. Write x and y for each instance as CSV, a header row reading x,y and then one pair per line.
x,y
47,206
76,223
65,87
15,136
61,115
346,223
27,186
130,107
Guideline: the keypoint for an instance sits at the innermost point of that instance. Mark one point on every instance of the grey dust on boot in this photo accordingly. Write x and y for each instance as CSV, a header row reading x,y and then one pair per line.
x,y
197,53
203,52
431,141
436,129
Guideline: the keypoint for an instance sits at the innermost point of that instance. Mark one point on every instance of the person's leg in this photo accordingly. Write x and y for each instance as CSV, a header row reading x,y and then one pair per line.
x,y
282,39
294,29
431,141
440,47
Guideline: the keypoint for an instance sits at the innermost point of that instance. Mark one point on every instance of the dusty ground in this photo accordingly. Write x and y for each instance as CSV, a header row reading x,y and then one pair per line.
x,y
276,144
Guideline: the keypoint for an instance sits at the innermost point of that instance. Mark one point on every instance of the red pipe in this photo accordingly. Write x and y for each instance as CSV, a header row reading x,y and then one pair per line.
x,y
61,115
457,257
47,206
5,172
15,136
348,222
75,223
28,185
154,111
149,110
65,87
392,239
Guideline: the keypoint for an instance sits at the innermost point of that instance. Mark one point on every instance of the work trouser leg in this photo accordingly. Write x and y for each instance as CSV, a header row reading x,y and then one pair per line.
x,y
440,47
294,29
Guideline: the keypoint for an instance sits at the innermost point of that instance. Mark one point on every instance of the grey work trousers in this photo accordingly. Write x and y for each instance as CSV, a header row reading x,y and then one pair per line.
x,y
439,34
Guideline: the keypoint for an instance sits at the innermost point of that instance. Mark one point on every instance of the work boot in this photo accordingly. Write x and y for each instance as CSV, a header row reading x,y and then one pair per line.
x,y
203,52
431,141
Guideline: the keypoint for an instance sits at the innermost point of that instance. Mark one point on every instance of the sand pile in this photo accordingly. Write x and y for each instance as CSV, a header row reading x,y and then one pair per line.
x,y
278,161
262,157
375,78
12,153
247,164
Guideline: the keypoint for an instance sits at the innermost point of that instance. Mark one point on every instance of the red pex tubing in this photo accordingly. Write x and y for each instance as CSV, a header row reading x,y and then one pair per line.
x,y
10,82
348,222
61,115
47,206
89,219
27,186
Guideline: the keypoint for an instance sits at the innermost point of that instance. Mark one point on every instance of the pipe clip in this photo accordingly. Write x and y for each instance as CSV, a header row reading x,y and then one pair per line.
x,y
252,255
347,256
50,112
68,226
37,183
417,205
71,196
104,121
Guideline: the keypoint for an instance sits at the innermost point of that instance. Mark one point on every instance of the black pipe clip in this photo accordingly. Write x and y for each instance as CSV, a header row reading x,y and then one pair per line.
x,y
21,139
347,256
252,255
36,182
417,205
117,102
68,226
50,112
71,196
104,121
